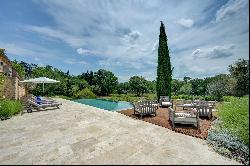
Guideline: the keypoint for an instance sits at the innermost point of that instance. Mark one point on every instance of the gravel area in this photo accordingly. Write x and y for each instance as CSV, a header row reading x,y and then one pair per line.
x,y
162,119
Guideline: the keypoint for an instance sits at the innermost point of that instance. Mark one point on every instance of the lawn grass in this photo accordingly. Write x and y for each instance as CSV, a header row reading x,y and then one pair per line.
x,y
235,117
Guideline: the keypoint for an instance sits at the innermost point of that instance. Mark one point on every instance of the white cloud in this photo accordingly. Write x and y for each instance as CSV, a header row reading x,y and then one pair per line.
x,y
155,46
37,59
72,61
214,52
57,34
124,34
82,51
28,50
132,36
230,8
188,23
82,62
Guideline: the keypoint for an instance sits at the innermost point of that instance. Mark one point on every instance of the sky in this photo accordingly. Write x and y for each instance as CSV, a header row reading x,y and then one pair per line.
x,y
204,36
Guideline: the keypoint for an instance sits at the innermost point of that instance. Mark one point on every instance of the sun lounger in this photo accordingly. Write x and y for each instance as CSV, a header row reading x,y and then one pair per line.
x,y
31,104
45,99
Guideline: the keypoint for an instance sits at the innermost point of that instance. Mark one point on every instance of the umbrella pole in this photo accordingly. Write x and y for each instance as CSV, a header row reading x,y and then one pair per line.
x,y
43,88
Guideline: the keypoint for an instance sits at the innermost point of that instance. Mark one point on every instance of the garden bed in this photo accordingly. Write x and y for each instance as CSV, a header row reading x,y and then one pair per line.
x,y
161,119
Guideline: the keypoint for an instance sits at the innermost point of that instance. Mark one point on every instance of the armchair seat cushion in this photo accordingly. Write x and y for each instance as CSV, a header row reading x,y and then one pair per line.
x,y
166,103
182,114
184,120
187,104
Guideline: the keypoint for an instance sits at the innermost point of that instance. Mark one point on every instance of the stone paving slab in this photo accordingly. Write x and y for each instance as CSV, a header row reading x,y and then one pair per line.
x,y
81,134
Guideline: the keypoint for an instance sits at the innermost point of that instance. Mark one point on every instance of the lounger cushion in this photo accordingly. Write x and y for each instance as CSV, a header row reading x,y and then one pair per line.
x,y
38,100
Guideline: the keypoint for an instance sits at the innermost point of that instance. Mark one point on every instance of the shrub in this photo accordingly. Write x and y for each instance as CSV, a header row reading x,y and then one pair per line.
x,y
150,96
227,98
85,93
210,98
227,144
9,108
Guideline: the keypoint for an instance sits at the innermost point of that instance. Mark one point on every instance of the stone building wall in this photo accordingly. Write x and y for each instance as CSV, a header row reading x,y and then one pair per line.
x,y
11,88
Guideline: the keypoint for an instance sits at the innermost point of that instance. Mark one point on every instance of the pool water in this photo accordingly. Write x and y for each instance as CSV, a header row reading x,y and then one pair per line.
x,y
106,104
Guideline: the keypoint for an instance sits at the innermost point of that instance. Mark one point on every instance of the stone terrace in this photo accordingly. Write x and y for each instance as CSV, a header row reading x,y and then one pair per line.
x,y
81,134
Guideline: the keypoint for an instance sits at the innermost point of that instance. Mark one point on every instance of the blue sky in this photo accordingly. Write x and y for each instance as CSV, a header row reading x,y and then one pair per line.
x,y
204,36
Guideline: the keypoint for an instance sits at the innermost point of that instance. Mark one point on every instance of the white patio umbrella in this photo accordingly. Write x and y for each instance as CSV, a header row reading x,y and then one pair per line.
x,y
40,80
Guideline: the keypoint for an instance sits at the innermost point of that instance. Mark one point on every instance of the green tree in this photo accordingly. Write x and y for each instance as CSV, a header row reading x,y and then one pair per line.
x,y
89,77
186,79
105,82
198,87
138,85
123,88
19,68
186,89
176,86
222,85
85,93
164,71
240,71
151,86
2,52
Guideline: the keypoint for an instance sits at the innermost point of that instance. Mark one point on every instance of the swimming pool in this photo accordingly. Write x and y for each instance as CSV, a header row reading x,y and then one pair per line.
x,y
106,104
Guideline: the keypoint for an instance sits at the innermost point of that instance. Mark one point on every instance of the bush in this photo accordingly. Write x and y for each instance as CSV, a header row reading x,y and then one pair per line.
x,y
210,98
190,97
227,98
9,108
227,144
85,93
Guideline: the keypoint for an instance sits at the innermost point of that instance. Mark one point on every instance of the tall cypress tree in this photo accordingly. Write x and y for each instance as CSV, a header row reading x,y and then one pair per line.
x,y
164,71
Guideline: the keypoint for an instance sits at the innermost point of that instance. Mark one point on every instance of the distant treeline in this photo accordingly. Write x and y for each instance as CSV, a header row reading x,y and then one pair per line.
x,y
103,82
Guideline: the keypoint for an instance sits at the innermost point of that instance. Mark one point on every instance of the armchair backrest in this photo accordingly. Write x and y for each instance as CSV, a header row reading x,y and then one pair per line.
x,y
164,98
171,112
146,106
204,110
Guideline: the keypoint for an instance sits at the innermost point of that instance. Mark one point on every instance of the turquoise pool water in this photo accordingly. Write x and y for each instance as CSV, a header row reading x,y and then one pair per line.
x,y
105,104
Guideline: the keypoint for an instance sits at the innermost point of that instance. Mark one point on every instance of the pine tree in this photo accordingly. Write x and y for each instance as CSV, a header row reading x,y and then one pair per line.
x,y
164,71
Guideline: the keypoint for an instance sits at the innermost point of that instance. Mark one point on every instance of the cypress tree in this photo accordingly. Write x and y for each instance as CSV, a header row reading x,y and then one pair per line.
x,y
164,71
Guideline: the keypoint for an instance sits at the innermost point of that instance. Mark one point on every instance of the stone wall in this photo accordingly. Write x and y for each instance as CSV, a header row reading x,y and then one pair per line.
x,y
11,88
2,78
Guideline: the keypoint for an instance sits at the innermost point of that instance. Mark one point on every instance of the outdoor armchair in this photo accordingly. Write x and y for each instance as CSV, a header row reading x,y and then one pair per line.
x,y
183,117
165,101
145,108
204,110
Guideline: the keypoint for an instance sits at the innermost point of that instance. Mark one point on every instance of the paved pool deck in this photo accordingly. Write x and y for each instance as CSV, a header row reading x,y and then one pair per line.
x,y
81,134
